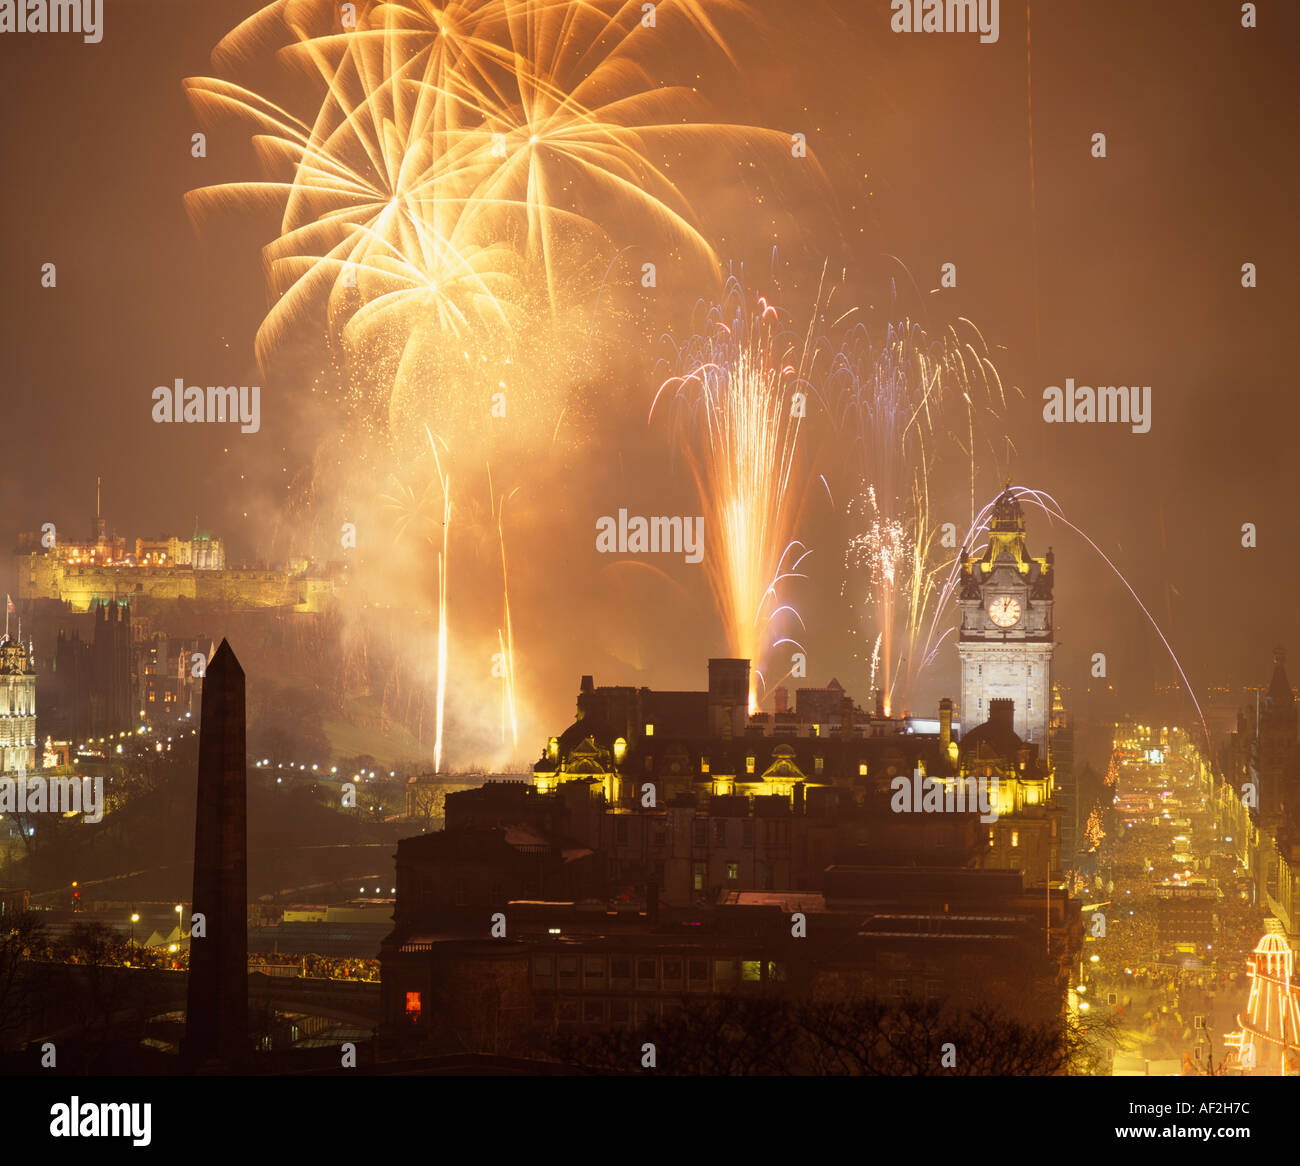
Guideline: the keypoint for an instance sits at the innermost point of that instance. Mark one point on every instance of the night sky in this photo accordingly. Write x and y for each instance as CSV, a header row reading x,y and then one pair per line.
x,y
1130,274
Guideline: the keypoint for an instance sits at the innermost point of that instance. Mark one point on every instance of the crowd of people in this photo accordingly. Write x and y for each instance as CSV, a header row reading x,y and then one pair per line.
x,y
1132,969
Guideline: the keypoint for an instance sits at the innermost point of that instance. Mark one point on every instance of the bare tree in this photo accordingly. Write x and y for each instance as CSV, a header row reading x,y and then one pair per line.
x,y
22,939
748,1036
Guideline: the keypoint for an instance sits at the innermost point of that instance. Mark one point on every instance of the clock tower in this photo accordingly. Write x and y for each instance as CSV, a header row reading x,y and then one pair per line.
x,y
1006,642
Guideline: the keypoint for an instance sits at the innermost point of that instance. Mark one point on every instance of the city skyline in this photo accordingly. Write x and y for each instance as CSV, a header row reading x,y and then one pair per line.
x,y
703,538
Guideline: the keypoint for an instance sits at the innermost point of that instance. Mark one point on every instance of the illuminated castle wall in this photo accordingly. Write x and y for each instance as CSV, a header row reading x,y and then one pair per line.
x,y
102,570
42,575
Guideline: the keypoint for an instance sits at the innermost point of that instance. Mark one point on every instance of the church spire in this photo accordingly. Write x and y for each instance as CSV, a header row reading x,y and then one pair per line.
x,y
1279,688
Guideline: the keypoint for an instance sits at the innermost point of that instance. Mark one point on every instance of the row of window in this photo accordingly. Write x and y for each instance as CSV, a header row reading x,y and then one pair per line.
x,y
648,973
819,764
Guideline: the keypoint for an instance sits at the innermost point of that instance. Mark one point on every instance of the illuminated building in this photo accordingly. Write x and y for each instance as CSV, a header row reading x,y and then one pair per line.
x,y
1265,828
1006,638
1026,836
17,707
1275,745
707,743
167,687
82,574
1268,1042
1065,781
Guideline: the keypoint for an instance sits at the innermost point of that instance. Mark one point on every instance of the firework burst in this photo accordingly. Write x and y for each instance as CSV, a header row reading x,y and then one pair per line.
x,y
739,397
457,154
900,401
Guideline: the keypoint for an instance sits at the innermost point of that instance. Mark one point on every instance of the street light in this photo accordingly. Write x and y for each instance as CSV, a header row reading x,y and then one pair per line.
x,y
180,927
134,920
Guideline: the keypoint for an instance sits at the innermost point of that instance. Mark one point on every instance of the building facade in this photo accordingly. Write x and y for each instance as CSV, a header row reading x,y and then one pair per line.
x,y
1006,640
17,707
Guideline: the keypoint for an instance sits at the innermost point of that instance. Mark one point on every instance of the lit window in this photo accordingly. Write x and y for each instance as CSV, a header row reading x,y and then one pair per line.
x,y
649,730
749,765
862,769
413,1007
751,969
1015,837
733,871
704,765
817,765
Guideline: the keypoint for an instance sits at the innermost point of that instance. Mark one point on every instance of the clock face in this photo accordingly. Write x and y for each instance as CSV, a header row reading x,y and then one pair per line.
x,y
1005,611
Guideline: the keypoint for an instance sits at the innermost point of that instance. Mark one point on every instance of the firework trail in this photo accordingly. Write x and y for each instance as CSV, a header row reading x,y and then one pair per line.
x,y
429,513
739,396
444,557
506,635
897,401
1033,169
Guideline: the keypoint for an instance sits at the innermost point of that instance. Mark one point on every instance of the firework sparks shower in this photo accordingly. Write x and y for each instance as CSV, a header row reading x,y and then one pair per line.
x,y
740,396
897,401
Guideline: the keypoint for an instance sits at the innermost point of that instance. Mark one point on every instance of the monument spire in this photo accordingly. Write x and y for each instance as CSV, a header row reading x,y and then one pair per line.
x,y
216,1016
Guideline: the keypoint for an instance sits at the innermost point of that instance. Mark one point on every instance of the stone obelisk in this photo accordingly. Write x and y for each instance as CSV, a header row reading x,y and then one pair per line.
x,y
216,1014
